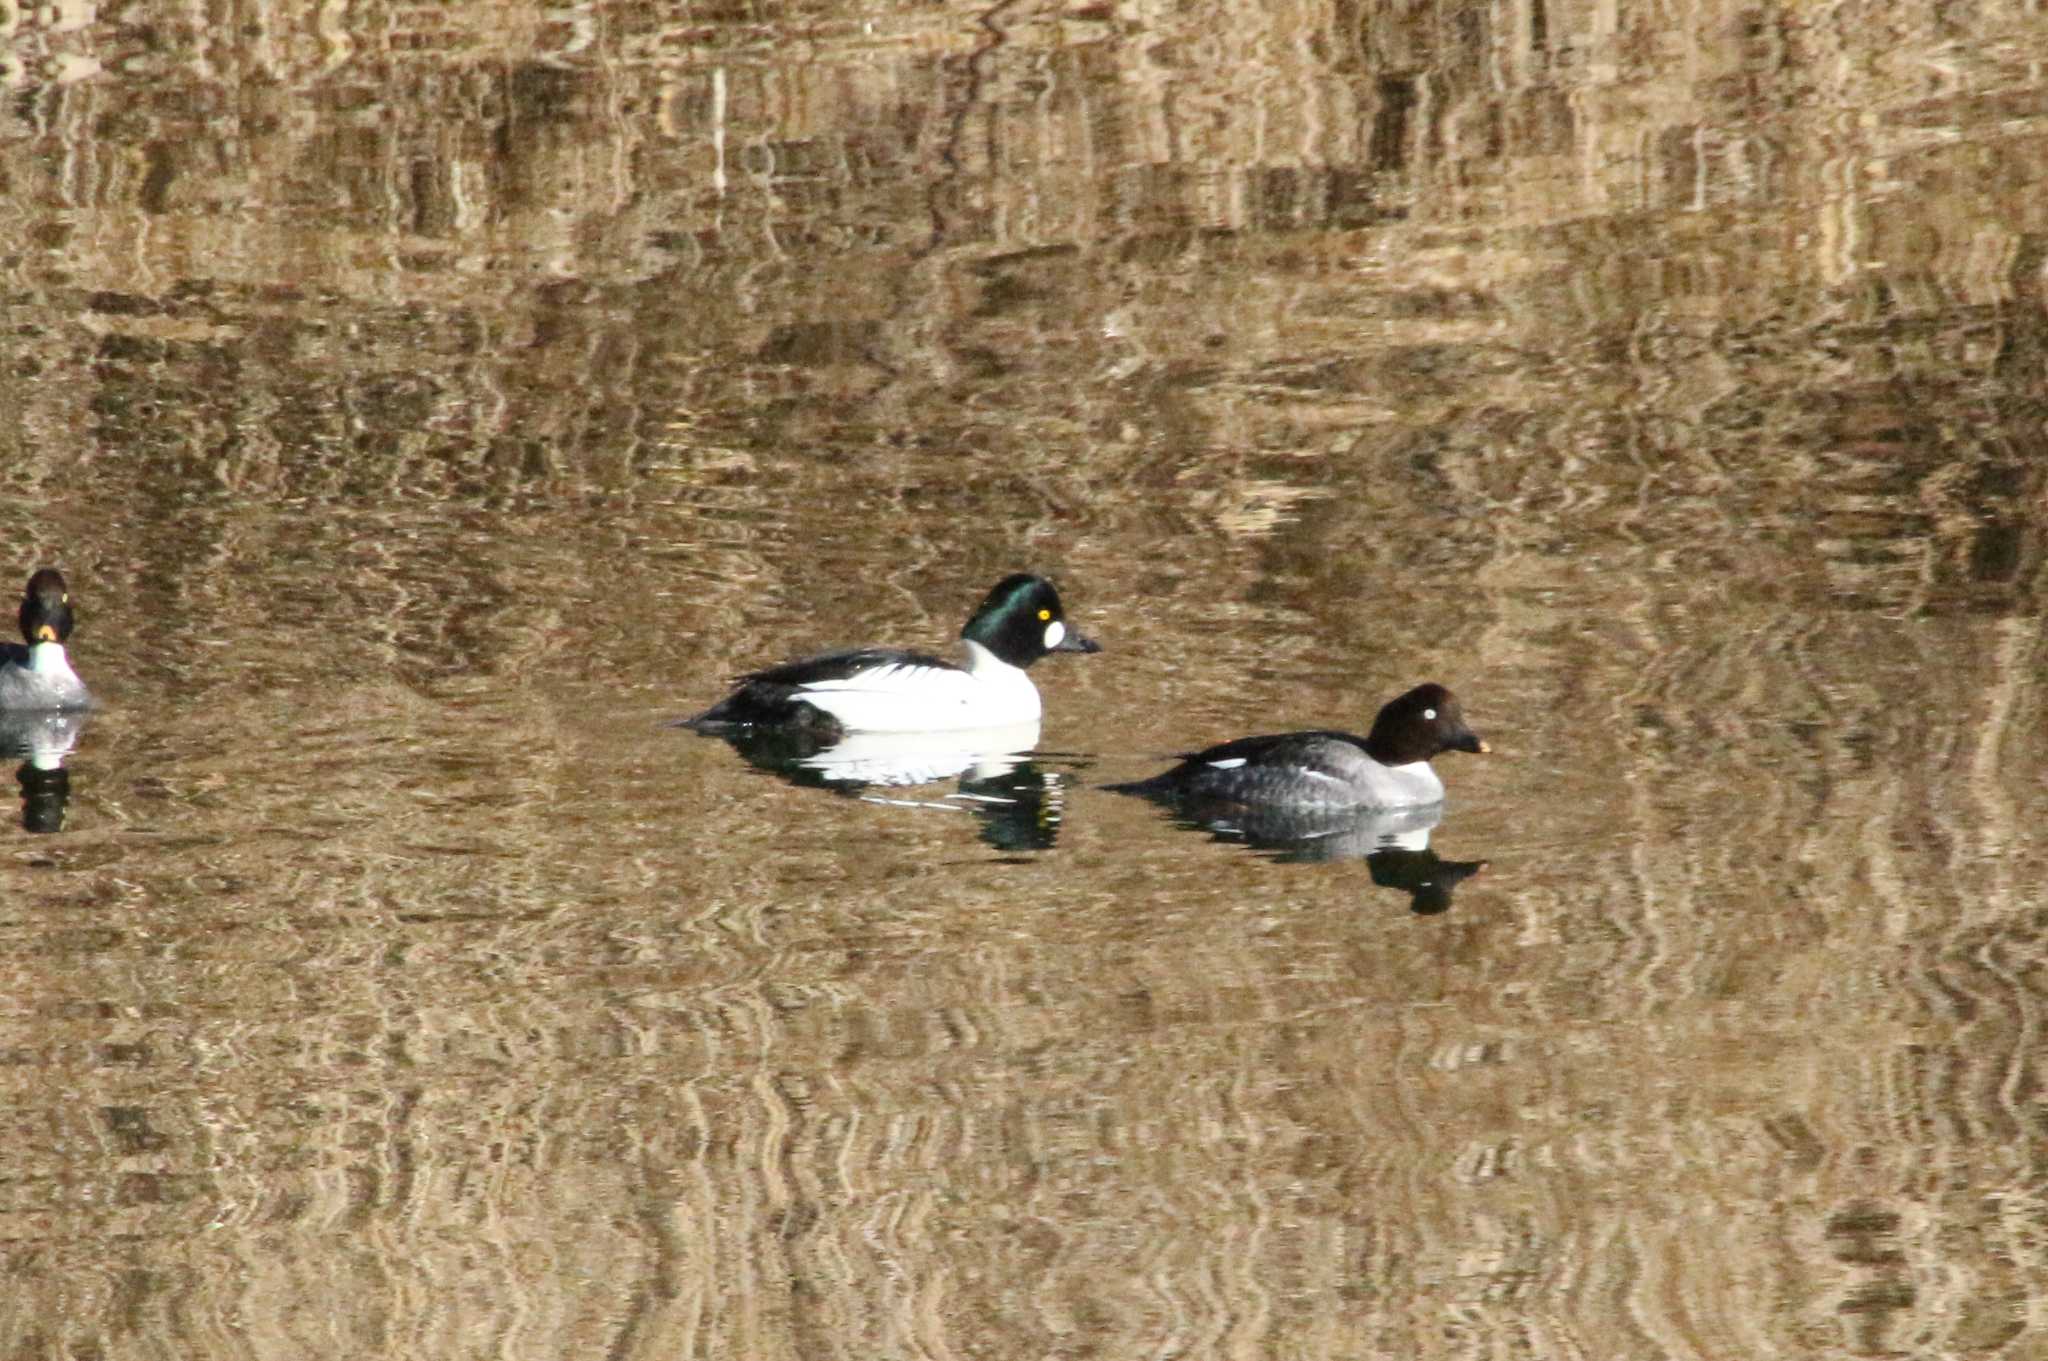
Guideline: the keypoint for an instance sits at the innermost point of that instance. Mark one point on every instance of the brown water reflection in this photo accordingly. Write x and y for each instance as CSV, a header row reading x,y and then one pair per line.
x,y
427,403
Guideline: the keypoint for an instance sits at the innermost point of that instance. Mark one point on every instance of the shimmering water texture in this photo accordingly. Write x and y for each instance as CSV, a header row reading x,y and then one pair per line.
x,y
427,405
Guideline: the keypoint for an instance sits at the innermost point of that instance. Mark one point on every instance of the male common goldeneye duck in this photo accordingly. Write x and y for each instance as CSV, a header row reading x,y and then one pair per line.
x,y
879,689
1387,768
35,674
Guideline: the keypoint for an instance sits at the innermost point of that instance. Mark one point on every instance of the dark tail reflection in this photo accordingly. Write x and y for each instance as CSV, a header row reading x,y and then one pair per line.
x,y
1393,843
1017,802
41,741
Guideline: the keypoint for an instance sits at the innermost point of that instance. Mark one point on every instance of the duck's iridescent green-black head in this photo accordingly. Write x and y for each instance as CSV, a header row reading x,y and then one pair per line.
x,y
1022,620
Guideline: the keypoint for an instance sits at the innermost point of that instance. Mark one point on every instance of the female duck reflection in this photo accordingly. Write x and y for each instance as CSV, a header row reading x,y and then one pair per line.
x,y
1329,795
1393,843
43,704
870,718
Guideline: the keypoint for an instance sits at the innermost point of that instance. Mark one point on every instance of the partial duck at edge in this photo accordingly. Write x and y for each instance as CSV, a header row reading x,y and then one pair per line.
x,y
36,674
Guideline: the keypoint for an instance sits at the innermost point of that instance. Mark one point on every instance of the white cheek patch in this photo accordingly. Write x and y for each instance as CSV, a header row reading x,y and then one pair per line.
x,y
1231,764
1055,632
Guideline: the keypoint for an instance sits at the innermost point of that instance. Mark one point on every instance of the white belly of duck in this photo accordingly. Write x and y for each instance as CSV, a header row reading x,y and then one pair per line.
x,y
43,679
988,693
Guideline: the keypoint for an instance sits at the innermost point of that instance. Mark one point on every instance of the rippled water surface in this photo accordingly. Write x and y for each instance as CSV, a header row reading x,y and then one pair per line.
x,y
429,403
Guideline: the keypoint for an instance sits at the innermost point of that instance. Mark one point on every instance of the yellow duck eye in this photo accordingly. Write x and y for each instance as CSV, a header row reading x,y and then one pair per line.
x,y
1044,615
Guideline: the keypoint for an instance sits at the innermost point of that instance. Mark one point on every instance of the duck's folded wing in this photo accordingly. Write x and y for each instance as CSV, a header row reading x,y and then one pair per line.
x,y
772,694
1324,750
842,665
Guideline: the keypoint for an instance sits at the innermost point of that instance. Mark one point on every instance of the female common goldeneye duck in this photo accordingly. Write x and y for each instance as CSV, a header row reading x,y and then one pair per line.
x,y
879,689
1387,768
35,674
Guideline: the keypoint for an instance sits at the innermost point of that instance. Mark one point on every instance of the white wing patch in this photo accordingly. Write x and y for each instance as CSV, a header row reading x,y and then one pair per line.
x,y
1322,775
935,681
1232,763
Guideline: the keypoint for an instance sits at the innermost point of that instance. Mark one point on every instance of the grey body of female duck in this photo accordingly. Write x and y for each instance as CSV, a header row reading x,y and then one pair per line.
x,y
1325,768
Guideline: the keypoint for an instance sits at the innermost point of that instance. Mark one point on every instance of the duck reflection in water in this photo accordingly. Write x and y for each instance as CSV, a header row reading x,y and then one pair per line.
x,y
41,741
1393,842
1016,801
